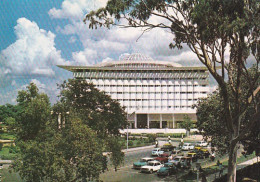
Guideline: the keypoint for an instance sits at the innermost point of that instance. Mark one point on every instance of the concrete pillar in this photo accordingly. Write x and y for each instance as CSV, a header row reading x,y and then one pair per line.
x,y
173,121
148,121
135,121
160,120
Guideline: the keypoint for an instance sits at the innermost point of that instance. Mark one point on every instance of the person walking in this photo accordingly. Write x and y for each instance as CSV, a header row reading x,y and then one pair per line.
x,y
221,168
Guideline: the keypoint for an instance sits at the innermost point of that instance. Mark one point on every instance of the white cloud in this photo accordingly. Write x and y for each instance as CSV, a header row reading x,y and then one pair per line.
x,y
116,41
75,9
33,53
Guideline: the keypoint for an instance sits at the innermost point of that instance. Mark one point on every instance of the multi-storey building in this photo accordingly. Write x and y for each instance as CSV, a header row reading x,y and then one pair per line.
x,y
156,94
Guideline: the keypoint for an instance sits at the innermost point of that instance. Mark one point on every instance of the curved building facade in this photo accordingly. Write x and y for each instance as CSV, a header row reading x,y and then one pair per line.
x,y
156,94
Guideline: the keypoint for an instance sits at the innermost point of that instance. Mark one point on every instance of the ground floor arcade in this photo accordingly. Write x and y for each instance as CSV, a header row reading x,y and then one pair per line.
x,y
158,120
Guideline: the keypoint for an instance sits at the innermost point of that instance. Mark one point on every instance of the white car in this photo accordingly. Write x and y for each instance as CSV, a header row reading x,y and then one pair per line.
x,y
187,146
202,144
157,152
152,166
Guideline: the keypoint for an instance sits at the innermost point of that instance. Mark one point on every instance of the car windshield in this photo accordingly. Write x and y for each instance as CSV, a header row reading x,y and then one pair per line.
x,y
167,165
151,164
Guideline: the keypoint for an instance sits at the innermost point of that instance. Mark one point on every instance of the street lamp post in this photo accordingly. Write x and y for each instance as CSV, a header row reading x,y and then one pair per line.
x,y
127,138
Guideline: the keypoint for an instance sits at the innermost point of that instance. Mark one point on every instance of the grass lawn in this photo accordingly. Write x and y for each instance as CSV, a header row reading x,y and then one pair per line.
x,y
135,143
5,155
10,177
7,136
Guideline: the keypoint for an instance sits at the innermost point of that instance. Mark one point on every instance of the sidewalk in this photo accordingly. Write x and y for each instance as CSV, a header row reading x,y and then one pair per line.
x,y
138,148
213,176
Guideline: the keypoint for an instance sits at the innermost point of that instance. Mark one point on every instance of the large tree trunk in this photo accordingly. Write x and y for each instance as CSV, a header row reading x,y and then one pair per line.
x,y
232,162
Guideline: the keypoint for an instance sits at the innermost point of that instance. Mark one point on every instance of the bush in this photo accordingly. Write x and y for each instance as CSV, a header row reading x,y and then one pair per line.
x,y
138,142
130,143
13,149
151,138
1,146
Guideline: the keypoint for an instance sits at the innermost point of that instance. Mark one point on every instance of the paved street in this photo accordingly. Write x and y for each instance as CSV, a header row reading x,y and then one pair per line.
x,y
126,173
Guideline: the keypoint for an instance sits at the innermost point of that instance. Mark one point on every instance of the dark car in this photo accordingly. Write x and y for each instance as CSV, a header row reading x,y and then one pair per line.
x,y
193,156
185,162
168,169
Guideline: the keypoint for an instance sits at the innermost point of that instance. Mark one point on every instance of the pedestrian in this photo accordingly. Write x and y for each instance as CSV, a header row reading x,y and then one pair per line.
x,y
221,168
156,143
212,156
169,139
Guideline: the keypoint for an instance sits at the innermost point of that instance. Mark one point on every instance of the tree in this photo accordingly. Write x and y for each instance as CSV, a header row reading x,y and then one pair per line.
x,y
72,150
187,124
97,110
221,33
34,112
212,122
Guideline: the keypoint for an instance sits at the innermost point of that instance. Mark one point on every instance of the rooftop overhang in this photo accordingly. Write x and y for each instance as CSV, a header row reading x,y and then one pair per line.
x,y
95,68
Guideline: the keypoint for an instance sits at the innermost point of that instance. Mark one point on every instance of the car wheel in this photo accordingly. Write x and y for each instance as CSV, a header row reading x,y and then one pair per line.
x,y
151,171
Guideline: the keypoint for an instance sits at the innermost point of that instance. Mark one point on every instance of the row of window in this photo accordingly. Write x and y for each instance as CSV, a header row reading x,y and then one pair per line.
x,y
157,92
158,107
140,78
169,100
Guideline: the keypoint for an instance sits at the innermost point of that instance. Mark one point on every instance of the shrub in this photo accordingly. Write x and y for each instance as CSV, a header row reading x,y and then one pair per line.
x,y
138,142
1,146
130,143
151,137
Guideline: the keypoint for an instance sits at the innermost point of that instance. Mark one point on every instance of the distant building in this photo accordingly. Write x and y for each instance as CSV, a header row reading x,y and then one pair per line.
x,y
156,94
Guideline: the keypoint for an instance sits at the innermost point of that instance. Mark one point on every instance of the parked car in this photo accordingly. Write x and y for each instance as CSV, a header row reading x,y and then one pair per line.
x,y
187,146
157,152
185,162
168,169
175,153
202,144
203,153
176,160
193,156
142,162
162,158
152,166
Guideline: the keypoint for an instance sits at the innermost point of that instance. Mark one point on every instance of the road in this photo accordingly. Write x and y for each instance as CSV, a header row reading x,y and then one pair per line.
x,y
127,174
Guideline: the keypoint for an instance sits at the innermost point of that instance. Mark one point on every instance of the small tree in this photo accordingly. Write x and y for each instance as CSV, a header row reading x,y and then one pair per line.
x,y
187,124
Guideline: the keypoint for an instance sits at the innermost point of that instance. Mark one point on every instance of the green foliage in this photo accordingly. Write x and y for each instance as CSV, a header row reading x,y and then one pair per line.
x,y
72,150
212,121
186,123
1,146
151,137
35,112
130,143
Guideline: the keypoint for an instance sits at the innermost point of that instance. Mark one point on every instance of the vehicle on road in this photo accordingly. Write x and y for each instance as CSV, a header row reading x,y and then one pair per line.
x,y
193,156
162,158
176,160
187,146
142,162
185,162
157,152
202,144
152,166
203,153
168,169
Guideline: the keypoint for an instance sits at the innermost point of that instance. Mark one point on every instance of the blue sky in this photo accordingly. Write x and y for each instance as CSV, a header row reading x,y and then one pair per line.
x,y
37,35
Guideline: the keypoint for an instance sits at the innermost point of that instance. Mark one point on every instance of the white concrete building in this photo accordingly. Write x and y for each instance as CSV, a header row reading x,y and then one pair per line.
x,y
156,94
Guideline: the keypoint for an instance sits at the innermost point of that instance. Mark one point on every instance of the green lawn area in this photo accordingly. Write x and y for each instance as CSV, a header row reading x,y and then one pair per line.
x,y
7,136
10,177
5,155
135,143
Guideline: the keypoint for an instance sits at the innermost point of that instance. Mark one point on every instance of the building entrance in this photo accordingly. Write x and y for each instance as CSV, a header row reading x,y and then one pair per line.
x,y
141,120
